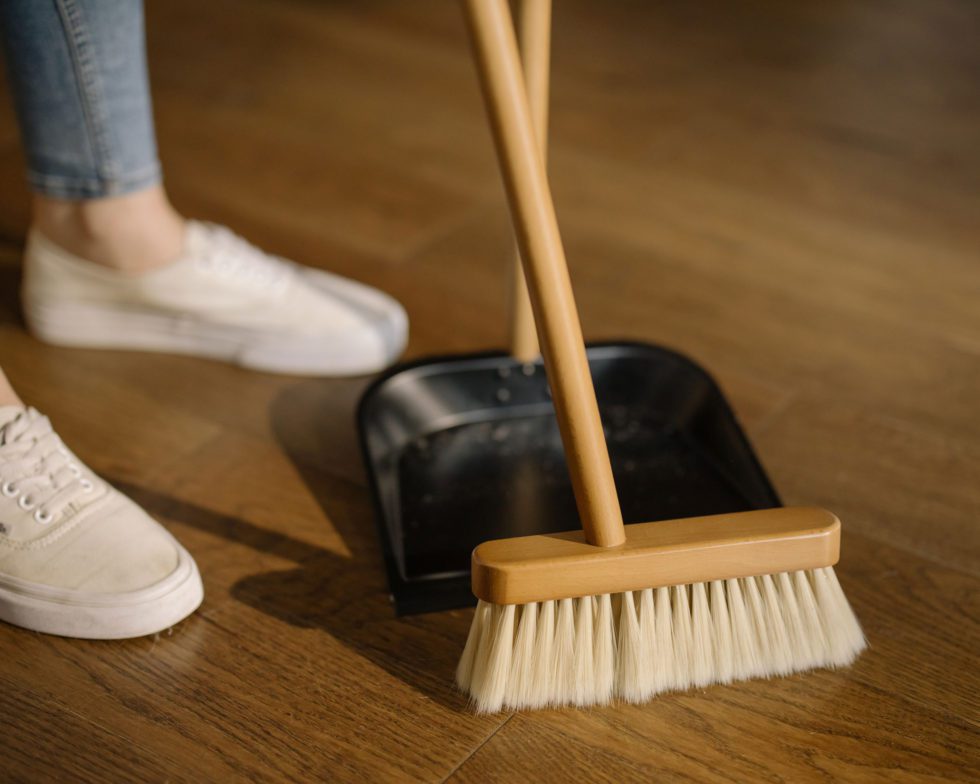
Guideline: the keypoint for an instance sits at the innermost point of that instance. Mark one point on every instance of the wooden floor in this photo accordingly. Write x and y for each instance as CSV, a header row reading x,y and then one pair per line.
x,y
789,193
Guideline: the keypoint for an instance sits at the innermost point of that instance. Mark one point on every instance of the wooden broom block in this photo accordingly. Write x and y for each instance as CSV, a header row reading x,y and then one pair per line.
x,y
671,552
546,271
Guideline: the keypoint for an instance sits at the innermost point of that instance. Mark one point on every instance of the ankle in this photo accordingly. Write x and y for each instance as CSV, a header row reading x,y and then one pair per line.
x,y
7,395
132,233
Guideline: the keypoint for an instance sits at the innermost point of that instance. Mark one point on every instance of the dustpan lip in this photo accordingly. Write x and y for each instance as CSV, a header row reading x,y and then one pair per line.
x,y
401,368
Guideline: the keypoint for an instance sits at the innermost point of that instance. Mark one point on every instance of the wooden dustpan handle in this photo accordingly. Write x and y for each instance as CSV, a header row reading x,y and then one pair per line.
x,y
546,271
534,36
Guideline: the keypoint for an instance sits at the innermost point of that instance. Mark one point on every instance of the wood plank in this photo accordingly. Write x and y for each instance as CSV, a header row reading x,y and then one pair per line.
x,y
41,742
881,474
387,160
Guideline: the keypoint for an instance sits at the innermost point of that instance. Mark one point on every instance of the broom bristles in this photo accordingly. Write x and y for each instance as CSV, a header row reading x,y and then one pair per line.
x,y
663,644
702,653
629,666
745,643
604,655
565,647
682,635
585,651
648,641
521,685
721,634
543,668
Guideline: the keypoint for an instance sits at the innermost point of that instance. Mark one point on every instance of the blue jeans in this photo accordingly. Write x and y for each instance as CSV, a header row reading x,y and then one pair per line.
x,y
77,69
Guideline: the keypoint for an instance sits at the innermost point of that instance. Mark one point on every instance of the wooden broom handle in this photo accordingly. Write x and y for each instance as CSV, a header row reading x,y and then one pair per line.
x,y
534,36
546,271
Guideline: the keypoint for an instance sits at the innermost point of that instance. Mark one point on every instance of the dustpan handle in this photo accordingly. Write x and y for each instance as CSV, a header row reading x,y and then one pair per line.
x,y
546,271
534,36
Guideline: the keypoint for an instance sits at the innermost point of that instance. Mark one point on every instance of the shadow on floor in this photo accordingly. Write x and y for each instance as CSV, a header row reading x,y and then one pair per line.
x,y
345,596
10,279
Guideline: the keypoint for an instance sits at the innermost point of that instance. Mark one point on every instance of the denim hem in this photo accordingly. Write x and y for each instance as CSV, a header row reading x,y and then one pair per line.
x,y
75,188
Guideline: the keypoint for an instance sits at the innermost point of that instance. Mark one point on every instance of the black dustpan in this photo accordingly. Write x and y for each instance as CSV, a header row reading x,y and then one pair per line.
x,y
464,449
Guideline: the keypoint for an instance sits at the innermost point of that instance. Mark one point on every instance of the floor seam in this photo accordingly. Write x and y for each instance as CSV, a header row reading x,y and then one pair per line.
x,y
469,756
442,230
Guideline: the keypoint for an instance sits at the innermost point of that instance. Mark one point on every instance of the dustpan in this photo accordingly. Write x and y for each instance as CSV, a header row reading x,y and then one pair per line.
x,y
464,449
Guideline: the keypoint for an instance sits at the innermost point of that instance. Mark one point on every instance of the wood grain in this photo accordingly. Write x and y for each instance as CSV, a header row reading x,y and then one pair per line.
x,y
532,23
785,192
546,567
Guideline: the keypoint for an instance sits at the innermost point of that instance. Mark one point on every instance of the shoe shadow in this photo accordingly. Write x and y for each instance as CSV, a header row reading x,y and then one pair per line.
x,y
347,597
10,278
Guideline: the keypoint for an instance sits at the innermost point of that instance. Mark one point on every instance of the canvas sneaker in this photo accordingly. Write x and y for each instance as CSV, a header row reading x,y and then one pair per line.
x,y
78,558
224,299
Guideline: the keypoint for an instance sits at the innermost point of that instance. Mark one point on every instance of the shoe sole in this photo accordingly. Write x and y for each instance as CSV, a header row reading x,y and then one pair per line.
x,y
104,616
100,327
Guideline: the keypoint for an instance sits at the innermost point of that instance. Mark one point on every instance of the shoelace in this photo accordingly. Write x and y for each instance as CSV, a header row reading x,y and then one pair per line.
x,y
229,255
37,469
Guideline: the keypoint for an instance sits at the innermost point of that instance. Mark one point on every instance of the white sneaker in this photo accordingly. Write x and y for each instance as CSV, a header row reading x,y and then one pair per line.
x,y
77,558
223,299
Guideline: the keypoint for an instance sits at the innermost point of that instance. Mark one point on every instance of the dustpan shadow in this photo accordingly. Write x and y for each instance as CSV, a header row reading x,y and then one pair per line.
x,y
10,278
327,591
347,596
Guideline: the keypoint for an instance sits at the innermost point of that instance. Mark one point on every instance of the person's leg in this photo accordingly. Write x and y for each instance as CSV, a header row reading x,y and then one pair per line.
x,y
78,558
78,69
7,395
79,78
132,233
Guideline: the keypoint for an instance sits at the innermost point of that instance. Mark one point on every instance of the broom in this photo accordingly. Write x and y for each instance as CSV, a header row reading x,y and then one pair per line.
x,y
616,611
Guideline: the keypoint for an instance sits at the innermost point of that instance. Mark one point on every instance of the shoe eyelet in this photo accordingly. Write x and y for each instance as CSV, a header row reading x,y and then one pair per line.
x,y
42,516
87,486
9,489
26,503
